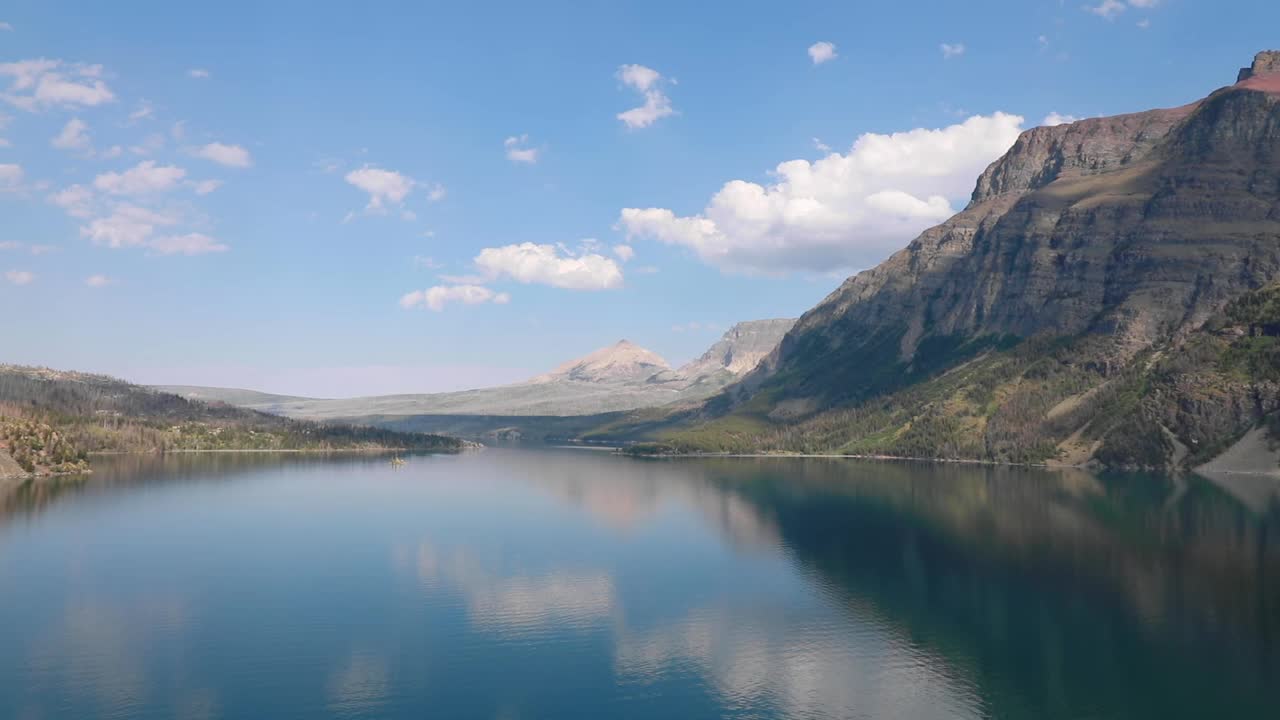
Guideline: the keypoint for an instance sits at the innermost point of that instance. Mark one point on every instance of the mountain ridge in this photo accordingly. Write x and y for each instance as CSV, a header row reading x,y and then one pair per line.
x,y
618,377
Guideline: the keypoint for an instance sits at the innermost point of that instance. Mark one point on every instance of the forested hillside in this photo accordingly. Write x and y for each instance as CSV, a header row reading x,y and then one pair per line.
x,y
50,419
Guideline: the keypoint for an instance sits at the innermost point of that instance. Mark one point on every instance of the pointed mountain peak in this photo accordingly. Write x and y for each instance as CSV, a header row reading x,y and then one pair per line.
x,y
624,361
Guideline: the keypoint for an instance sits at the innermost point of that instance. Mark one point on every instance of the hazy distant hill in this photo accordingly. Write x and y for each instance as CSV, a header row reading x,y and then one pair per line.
x,y
622,376
230,396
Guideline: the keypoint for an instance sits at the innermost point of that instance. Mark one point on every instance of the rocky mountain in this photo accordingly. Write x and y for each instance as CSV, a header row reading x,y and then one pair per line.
x,y
741,349
622,376
1089,256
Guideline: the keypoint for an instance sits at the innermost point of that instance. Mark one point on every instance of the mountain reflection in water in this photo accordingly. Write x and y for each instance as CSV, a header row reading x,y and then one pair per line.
x,y
574,584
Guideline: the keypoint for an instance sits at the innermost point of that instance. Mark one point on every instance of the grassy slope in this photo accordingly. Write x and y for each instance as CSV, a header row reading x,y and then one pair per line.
x,y
1034,401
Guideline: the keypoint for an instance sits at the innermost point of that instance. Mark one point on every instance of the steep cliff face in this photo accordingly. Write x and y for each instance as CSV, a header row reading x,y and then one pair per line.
x,y
740,349
1086,147
1136,227
1099,242
1266,62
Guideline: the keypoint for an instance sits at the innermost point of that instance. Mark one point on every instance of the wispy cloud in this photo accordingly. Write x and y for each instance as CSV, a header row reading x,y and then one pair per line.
x,y
649,83
189,244
144,111
74,136
1056,118
11,176
518,150
1108,9
437,297
19,277
234,156
144,178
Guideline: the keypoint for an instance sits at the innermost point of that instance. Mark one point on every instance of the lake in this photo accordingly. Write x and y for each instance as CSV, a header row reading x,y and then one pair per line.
x,y
509,584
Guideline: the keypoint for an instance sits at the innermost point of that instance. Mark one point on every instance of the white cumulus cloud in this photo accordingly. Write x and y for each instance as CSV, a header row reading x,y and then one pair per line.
x,y
648,82
229,155
437,297
98,281
384,186
43,83
950,50
198,73
822,51
550,265
19,277
144,178
842,212
624,252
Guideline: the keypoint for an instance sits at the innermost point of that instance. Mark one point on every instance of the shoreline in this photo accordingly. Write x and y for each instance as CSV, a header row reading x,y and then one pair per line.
x,y
12,482
254,450
846,456
1269,474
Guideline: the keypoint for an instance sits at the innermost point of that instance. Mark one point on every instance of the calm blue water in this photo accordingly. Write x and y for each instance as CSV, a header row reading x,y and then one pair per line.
x,y
521,584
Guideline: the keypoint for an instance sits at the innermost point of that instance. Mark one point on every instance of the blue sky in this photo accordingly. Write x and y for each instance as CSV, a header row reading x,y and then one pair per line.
x,y
402,197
